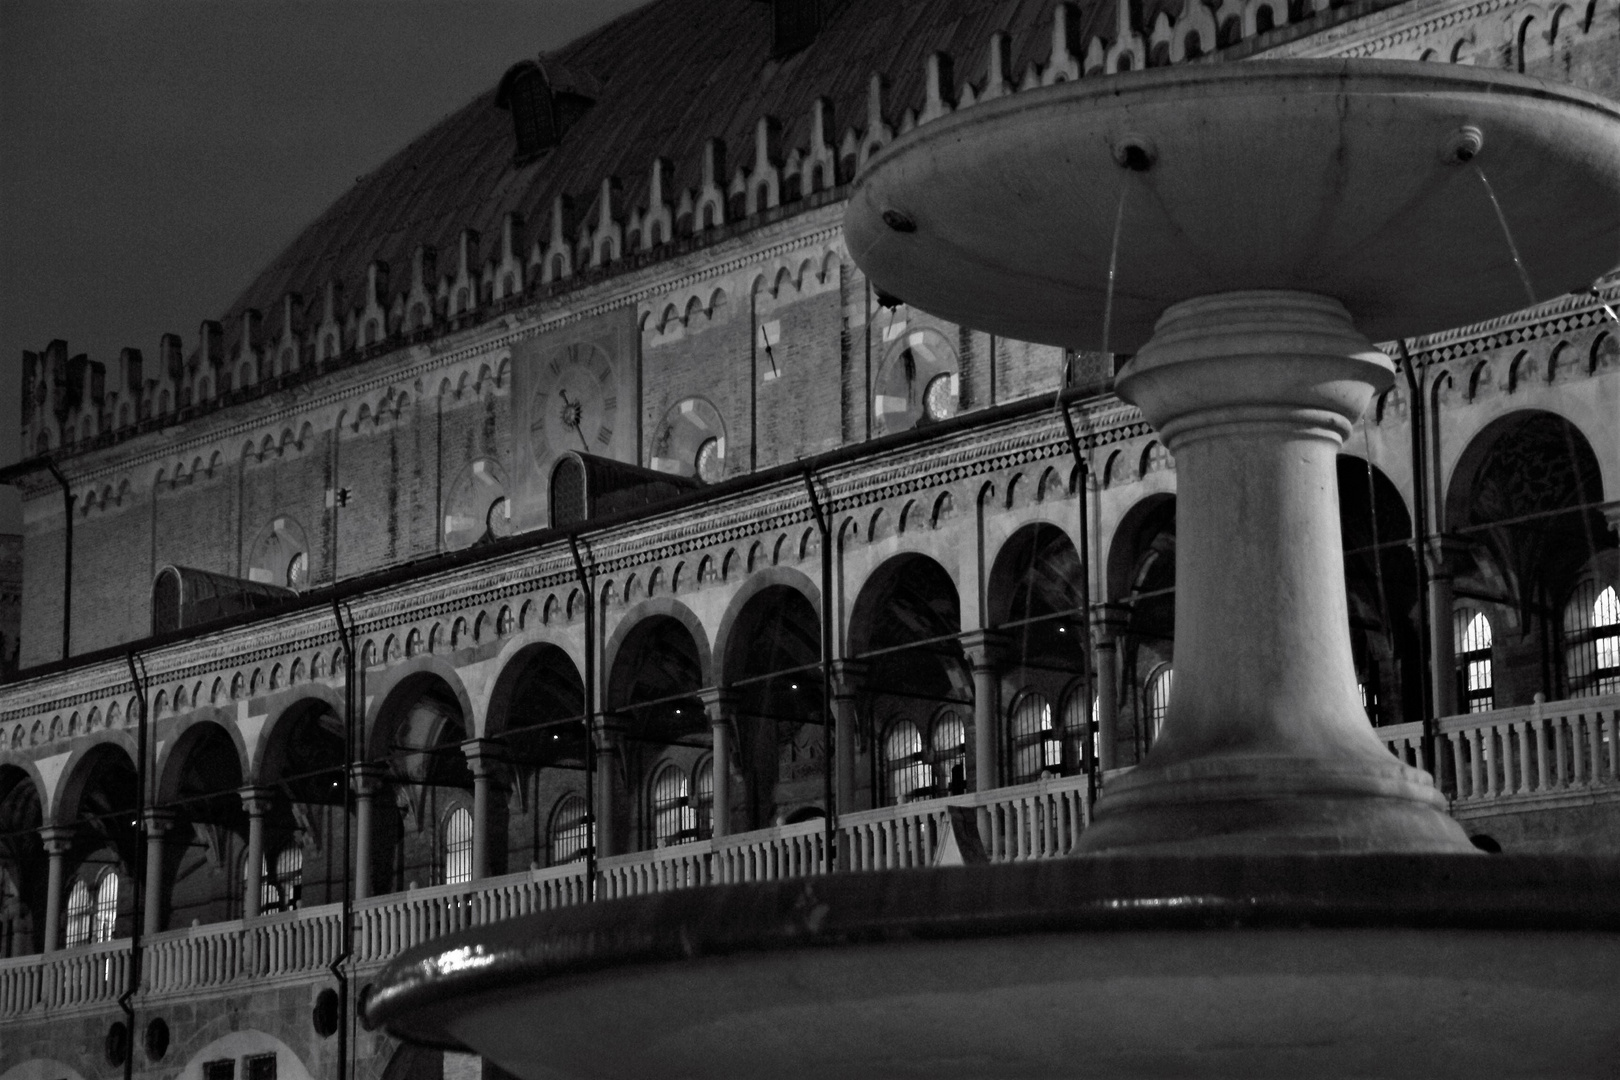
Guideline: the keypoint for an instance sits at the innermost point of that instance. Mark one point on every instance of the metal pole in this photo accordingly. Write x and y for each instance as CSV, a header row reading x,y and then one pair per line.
x,y
1420,543
137,674
592,826
827,746
345,635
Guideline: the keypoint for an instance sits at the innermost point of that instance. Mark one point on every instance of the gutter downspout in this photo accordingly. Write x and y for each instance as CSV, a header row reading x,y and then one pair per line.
x,y
593,827
1088,762
137,674
1416,410
827,747
346,918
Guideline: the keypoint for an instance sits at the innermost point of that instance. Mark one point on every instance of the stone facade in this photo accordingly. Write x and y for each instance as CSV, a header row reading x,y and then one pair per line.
x,y
380,458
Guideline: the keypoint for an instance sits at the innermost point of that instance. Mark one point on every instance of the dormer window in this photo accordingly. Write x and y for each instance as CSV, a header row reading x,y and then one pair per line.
x,y
544,103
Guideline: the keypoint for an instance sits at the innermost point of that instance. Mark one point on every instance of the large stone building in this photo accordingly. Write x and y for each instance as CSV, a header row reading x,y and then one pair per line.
x,y
563,512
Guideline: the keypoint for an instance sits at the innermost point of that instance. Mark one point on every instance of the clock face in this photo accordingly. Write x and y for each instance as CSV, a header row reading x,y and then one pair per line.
x,y
575,404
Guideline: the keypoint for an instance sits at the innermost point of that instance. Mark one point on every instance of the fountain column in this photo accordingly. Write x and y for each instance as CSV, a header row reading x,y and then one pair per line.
x,y
1266,746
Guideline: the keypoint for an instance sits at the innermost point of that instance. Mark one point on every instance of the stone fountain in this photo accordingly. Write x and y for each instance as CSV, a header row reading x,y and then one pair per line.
x,y
1270,892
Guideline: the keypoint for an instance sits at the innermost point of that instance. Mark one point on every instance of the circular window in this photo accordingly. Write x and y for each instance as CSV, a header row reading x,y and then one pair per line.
x,y
324,1014
939,399
710,465
298,571
116,1044
157,1039
498,521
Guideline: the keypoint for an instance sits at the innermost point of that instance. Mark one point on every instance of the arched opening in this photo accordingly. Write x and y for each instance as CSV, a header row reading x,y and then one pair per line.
x,y
1381,590
208,837
659,720
1525,499
1142,576
537,711
905,626
303,771
100,802
773,667
418,737
23,867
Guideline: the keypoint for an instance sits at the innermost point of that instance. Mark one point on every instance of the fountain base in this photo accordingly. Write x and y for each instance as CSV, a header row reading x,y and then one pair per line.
x,y
1319,965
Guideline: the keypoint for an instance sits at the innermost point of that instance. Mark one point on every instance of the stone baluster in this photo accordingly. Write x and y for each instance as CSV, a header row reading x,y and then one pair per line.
x,y
1523,730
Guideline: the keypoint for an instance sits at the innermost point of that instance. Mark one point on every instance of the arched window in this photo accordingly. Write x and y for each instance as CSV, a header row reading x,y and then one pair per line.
x,y
1156,697
80,914
703,799
106,918
1471,635
950,753
1036,746
283,880
903,764
11,913
569,836
1076,723
1592,640
674,821
458,844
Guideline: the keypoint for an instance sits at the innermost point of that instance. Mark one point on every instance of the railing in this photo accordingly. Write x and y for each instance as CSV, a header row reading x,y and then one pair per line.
x,y
88,975
1534,750
385,925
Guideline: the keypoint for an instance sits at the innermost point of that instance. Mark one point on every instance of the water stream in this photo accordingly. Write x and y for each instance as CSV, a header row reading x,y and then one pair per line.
x,y
1108,295
1507,234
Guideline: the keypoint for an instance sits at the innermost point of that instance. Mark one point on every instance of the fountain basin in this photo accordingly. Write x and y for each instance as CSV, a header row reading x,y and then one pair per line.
x,y
1339,178
1320,965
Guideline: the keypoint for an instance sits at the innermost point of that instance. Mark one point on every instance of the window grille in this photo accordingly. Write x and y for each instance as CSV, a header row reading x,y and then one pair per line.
x,y
903,760
1036,745
259,1067
106,920
674,820
1592,640
1157,695
567,493
704,799
80,914
569,835
1076,725
950,754
283,880
1471,636
458,845
223,1069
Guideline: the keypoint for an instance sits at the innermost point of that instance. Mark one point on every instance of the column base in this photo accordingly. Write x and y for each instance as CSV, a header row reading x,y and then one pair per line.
x,y
1223,804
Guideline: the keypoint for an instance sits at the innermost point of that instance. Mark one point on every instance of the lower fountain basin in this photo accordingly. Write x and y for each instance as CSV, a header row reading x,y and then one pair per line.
x,y
1320,965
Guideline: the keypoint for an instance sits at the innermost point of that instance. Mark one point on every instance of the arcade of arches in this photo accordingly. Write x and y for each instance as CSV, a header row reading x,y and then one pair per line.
x,y
707,726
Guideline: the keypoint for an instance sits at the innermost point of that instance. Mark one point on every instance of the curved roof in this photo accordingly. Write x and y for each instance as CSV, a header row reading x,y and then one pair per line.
x,y
672,75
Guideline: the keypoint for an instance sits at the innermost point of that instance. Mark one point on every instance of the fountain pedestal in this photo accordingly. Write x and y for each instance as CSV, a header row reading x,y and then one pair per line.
x,y
1266,746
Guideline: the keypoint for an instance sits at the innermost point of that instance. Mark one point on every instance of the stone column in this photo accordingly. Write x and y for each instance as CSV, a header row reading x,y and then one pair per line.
x,y
159,822
610,729
58,841
1266,744
721,707
985,650
1444,557
848,681
367,781
487,759
257,801
1108,623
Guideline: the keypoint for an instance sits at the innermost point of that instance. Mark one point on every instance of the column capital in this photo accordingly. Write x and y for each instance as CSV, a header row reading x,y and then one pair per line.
x,y
487,758
367,777
257,801
1448,556
58,839
985,648
159,819
720,702
849,677
1109,621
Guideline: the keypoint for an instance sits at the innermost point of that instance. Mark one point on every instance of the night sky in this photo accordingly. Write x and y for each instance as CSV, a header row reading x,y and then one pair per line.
x,y
154,156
